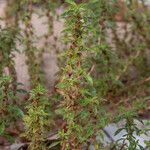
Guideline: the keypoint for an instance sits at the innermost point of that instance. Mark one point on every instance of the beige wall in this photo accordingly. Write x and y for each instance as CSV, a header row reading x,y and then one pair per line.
x,y
49,57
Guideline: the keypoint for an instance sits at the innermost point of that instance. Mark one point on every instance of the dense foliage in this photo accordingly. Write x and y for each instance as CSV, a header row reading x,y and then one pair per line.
x,y
104,74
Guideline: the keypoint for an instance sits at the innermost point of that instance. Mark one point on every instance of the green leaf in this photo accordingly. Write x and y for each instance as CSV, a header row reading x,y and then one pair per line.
x,y
87,101
61,85
89,131
54,144
2,128
84,114
66,13
118,131
89,79
141,147
70,2
16,111
22,91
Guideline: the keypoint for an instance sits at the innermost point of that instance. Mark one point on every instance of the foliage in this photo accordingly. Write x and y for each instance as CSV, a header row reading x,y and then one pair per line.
x,y
104,74
8,38
37,118
129,139
79,100
9,111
